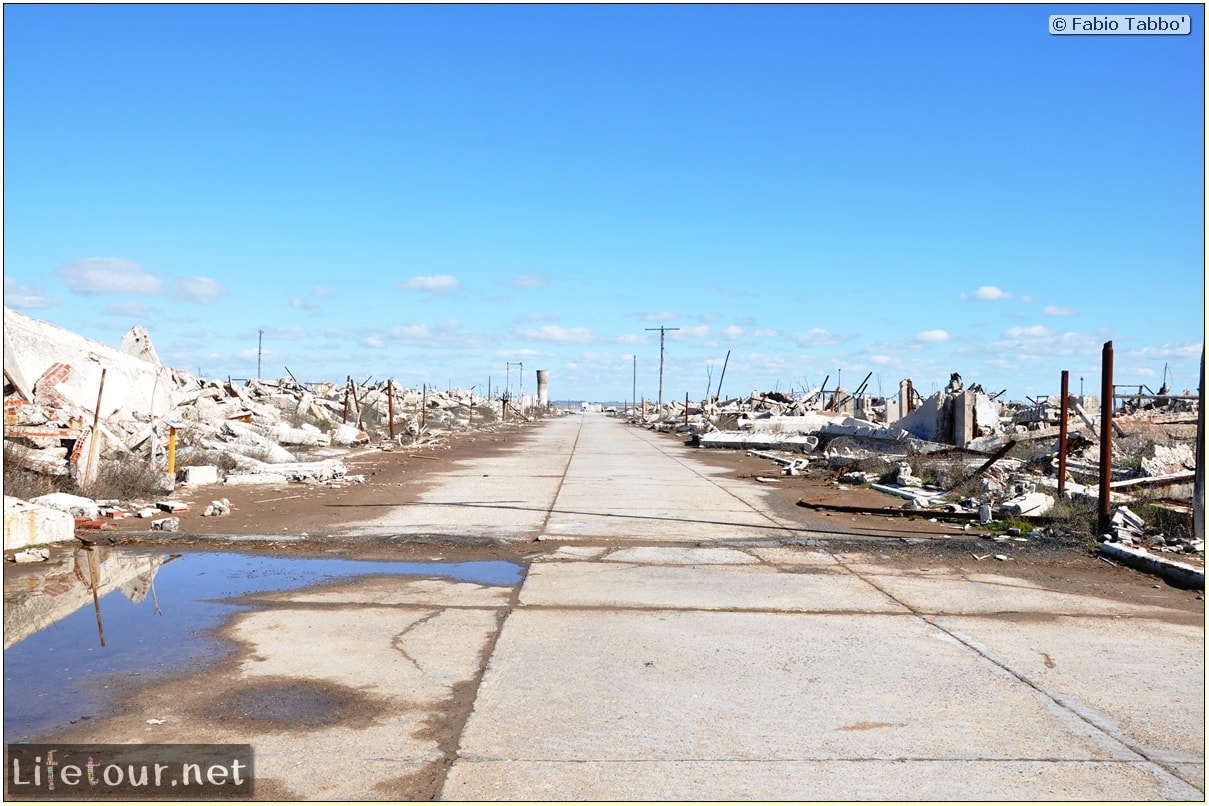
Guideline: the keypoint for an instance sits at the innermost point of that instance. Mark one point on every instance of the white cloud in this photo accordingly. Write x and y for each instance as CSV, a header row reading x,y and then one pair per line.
x,y
287,334
1030,332
411,333
662,316
816,337
135,309
698,332
109,275
531,281
732,332
632,338
559,333
373,340
932,336
201,289
321,292
434,283
1054,310
26,296
880,360
990,293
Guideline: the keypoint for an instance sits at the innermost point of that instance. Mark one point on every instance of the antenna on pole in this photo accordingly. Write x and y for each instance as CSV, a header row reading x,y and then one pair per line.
x,y
661,330
259,345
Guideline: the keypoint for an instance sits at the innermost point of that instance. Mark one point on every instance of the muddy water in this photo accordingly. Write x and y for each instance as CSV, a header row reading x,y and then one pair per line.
x,y
156,625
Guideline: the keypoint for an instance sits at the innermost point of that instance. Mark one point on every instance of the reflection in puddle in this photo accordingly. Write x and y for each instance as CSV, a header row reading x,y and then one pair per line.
x,y
159,611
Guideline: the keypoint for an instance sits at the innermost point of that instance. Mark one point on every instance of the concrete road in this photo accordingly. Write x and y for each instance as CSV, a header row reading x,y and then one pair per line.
x,y
589,478
642,659
659,672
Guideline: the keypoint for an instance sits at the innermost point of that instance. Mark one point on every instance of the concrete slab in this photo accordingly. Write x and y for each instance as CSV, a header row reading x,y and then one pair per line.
x,y
818,781
1067,661
938,592
755,587
658,555
784,555
795,694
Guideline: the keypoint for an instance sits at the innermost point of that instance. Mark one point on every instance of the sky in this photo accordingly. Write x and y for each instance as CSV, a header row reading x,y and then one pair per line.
x,y
461,195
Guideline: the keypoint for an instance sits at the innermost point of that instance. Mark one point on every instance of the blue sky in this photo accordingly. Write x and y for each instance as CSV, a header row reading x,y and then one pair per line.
x,y
441,194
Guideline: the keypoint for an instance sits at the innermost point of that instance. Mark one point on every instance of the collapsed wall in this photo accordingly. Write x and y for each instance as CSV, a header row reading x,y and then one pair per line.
x,y
160,419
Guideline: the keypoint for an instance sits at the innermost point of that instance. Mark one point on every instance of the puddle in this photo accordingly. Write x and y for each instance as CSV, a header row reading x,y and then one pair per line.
x,y
157,615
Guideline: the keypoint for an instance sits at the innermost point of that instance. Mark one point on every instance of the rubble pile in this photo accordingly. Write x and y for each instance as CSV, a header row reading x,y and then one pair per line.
x,y
962,437
73,407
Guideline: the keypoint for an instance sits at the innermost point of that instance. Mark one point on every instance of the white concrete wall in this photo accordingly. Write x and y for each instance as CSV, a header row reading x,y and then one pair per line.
x,y
130,383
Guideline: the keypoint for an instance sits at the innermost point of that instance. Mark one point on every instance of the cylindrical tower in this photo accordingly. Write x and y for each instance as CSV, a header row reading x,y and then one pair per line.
x,y
543,382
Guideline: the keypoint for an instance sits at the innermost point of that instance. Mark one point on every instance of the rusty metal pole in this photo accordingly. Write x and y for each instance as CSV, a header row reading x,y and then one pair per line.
x,y
390,405
1062,433
356,403
424,411
347,383
686,409
1198,484
1106,403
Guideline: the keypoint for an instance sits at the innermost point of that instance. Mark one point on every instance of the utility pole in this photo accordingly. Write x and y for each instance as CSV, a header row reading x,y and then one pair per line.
x,y
510,364
259,345
634,382
661,330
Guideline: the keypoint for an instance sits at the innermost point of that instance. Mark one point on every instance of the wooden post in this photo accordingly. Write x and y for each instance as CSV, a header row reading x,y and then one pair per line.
x,y
1106,403
90,469
347,384
94,573
1062,433
686,409
390,405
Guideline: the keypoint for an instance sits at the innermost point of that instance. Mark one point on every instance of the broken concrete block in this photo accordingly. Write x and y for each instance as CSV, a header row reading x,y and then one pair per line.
x,y
346,434
28,524
220,507
172,506
1126,524
147,512
905,479
75,505
31,556
166,525
1028,504
299,436
198,475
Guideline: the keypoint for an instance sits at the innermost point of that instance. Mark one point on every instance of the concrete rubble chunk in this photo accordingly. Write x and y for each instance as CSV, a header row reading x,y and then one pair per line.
x,y
75,505
220,507
1030,503
35,555
28,524
172,524
198,475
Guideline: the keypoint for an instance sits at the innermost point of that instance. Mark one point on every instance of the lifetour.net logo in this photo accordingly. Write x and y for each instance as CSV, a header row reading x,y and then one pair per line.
x,y
133,771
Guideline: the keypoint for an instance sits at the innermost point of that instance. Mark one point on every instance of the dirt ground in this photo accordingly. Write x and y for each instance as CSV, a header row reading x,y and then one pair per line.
x,y
325,513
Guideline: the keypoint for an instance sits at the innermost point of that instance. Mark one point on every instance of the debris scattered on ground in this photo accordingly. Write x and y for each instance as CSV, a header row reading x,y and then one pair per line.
x,y
81,415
